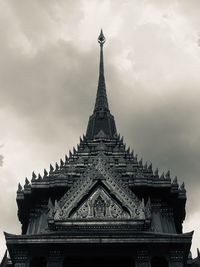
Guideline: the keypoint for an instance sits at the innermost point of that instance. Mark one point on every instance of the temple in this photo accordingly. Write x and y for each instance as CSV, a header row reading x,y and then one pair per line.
x,y
100,206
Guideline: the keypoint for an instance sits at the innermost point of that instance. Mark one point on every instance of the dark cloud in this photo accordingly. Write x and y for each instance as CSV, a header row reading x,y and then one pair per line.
x,y
47,88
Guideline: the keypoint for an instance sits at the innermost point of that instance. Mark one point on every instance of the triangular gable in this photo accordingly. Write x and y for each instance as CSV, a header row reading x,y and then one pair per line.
x,y
100,205
99,170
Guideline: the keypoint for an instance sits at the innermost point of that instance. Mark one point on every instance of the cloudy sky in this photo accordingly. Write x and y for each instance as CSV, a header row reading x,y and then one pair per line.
x,y
48,77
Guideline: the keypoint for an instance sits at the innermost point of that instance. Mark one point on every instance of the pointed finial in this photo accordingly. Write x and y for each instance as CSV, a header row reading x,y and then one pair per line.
x,y
198,253
101,38
61,163
131,154
141,162
34,176
70,154
101,97
162,176
182,187
39,177
145,166
136,158
101,108
66,159
45,173
57,167
51,168
175,181
167,175
119,137
150,167
19,187
156,172
27,181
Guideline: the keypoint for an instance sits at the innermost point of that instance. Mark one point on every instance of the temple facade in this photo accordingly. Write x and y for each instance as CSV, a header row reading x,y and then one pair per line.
x,y
100,206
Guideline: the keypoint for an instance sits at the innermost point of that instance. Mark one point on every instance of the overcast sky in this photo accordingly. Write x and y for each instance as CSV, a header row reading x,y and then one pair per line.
x,y
49,60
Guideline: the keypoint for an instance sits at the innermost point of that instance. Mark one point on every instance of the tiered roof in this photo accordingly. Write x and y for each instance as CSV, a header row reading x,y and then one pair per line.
x,y
133,181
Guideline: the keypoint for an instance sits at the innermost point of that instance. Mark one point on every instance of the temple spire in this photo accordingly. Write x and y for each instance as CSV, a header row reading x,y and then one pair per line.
x,y
101,98
101,123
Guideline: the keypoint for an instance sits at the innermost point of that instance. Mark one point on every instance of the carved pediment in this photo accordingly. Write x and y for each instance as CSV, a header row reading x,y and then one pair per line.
x,y
99,194
100,205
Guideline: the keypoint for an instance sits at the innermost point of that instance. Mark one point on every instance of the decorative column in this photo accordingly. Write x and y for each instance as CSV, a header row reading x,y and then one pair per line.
x,y
142,259
20,258
176,258
54,259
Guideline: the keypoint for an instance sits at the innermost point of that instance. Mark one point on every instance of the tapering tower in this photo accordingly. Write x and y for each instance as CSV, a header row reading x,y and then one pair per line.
x,y
100,205
101,123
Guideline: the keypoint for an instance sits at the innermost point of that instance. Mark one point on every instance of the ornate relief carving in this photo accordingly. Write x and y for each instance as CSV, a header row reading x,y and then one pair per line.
x,y
99,171
83,212
100,206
